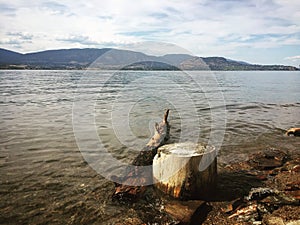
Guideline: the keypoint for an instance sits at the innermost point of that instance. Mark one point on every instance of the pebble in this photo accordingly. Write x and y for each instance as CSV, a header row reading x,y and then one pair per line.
x,y
257,222
296,169
274,221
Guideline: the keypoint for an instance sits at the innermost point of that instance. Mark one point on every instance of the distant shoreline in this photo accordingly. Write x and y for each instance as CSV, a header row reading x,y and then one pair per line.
x,y
116,59
13,67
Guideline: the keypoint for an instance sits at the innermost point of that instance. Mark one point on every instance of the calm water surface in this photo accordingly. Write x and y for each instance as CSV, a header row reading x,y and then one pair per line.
x,y
44,175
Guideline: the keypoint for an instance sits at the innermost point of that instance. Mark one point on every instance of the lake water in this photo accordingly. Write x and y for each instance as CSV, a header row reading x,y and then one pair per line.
x,y
53,124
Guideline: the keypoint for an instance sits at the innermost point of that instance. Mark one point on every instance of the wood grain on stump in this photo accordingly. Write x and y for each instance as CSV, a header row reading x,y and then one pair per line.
x,y
178,170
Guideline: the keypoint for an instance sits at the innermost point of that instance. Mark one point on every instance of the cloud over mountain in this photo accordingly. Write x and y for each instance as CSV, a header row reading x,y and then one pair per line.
x,y
261,31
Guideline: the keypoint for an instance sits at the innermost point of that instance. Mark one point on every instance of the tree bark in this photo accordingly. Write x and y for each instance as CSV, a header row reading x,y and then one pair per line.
x,y
140,175
177,170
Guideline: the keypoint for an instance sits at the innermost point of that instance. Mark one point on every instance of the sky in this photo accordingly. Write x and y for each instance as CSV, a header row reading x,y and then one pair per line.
x,y
255,31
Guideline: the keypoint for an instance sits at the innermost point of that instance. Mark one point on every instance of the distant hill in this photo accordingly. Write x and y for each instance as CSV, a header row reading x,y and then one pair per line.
x,y
9,57
109,58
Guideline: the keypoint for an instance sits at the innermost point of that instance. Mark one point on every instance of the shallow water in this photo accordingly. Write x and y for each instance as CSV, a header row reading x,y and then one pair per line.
x,y
57,126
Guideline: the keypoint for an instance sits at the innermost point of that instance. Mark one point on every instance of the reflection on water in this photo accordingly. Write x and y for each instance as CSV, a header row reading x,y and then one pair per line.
x,y
39,157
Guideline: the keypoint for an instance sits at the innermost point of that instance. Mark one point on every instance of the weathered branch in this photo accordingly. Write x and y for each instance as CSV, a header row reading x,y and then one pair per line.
x,y
140,176
293,131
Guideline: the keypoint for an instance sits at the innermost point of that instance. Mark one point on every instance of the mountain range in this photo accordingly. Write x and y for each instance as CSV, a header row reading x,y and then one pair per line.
x,y
109,58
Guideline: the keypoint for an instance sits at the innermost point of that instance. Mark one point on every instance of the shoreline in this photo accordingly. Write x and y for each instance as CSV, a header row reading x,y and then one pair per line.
x,y
25,67
263,189
56,201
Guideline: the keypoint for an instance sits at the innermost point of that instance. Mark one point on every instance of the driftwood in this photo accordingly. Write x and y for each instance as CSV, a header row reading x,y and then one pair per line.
x,y
140,174
293,131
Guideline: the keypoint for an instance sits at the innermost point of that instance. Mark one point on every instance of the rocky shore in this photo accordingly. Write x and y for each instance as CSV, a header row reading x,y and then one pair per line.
x,y
264,189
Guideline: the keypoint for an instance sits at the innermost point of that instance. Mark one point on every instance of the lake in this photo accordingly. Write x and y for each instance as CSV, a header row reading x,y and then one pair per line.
x,y
63,132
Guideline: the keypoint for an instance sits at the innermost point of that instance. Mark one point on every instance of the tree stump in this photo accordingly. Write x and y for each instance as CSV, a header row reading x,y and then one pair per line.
x,y
185,170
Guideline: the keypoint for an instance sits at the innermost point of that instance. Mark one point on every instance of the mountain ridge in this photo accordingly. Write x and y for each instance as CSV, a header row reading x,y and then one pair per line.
x,y
110,58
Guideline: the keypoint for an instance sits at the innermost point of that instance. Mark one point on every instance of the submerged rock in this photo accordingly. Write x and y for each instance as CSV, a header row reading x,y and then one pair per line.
x,y
268,159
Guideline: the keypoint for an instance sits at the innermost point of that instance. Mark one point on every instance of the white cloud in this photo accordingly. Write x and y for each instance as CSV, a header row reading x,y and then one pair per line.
x,y
294,58
206,27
